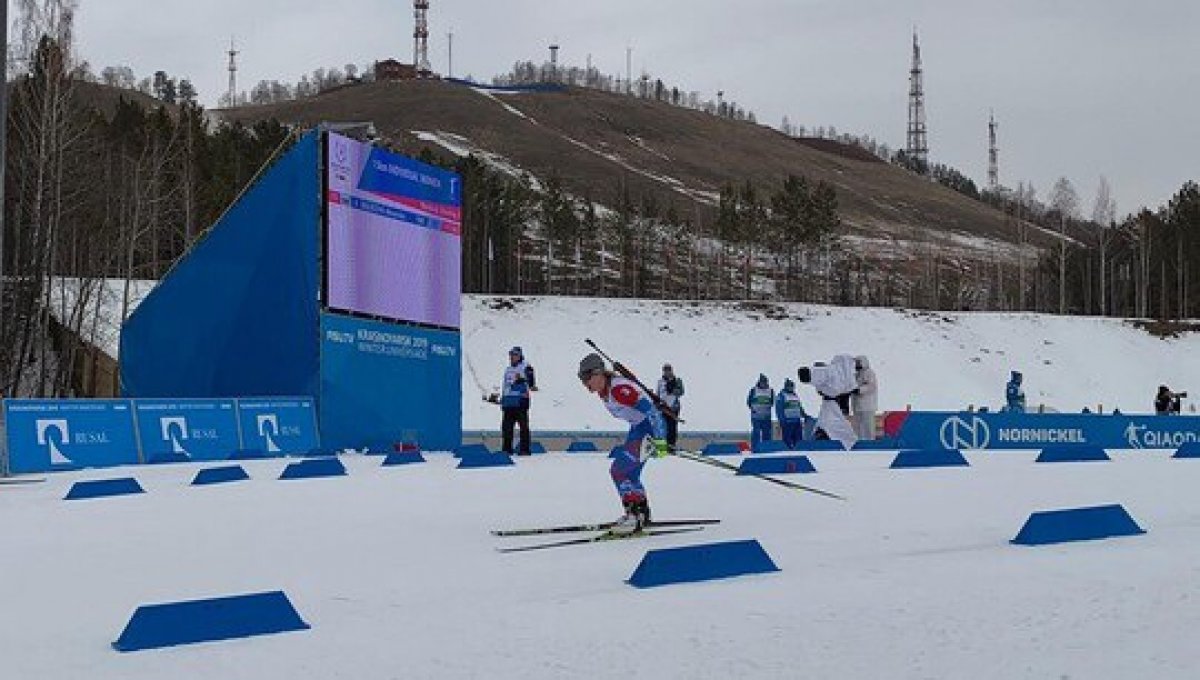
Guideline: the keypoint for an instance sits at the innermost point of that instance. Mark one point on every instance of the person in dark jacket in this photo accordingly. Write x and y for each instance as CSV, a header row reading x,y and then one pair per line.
x,y
670,391
519,381
1168,403
1014,394
759,400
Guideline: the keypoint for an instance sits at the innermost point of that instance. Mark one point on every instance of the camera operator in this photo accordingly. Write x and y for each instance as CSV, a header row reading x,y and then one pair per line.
x,y
1166,402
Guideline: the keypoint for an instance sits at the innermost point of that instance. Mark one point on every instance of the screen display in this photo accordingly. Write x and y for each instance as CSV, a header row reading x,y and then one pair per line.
x,y
393,246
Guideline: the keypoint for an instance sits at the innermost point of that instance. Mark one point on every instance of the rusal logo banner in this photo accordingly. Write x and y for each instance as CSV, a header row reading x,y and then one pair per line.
x,y
55,434
278,426
187,429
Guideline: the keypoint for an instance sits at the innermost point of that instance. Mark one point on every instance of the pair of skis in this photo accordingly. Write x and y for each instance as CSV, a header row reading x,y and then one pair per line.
x,y
658,528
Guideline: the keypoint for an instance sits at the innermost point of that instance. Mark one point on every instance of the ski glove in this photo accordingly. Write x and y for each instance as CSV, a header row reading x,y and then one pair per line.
x,y
653,448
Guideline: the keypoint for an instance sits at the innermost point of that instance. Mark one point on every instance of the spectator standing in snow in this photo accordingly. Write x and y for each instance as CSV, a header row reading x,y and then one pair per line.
x,y
759,400
626,401
865,400
670,391
1167,403
834,383
1014,394
791,415
519,380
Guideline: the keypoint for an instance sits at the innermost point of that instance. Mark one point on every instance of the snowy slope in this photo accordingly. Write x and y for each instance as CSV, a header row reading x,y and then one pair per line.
x,y
396,573
929,361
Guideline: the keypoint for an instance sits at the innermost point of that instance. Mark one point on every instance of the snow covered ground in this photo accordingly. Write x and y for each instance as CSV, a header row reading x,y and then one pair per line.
x,y
395,571
926,360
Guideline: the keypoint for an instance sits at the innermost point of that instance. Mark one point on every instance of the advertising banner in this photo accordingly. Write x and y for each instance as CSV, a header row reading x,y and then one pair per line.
x,y
194,429
1035,431
278,425
385,383
46,434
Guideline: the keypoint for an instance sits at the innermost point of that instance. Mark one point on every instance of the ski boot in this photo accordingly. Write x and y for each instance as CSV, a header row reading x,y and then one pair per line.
x,y
635,519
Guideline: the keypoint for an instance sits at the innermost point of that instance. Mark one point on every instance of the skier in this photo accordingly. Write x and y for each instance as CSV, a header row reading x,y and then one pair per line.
x,y
759,401
1014,394
670,390
626,401
865,399
834,383
791,415
519,380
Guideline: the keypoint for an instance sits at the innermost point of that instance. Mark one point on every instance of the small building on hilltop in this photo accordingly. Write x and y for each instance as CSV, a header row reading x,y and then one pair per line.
x,y
390,69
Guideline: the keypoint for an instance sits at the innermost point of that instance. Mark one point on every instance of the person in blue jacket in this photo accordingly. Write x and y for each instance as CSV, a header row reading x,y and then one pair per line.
x,y
791,415
519,380
759,401
1014,394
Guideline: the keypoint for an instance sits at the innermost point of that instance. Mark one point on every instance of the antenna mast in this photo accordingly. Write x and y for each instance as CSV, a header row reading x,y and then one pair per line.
x,y
421,38
232,95
993,154
918,140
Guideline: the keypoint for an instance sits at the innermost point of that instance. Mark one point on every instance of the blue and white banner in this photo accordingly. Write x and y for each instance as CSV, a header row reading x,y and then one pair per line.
x,y
46,434
1035,431
383,383
195,429
278,425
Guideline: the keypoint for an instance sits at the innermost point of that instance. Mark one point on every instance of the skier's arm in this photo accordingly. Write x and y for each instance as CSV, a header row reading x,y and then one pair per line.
x,y
530,378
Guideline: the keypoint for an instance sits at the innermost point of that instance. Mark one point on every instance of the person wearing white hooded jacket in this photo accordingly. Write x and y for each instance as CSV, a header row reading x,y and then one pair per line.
x,y
834,383
865,400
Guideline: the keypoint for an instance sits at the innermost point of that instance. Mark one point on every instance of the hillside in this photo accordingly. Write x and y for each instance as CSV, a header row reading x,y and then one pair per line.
x,y
591,139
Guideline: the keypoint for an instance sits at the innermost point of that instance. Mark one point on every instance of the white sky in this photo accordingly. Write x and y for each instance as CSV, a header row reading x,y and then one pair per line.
x,y
1080,88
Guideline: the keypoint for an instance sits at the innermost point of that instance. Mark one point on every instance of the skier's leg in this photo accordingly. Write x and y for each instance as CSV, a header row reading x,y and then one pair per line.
x,y
626,473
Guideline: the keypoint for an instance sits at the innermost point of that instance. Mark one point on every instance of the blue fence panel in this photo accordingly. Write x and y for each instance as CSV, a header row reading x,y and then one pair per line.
x,y
45,434
187,429
1035,431
279,425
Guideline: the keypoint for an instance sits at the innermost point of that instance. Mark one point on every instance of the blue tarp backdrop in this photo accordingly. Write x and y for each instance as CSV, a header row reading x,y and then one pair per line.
x,y
1036,431
241,316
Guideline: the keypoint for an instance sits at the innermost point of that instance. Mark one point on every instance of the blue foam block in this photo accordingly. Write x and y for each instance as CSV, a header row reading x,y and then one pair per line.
x,y
582,447
473,449
403,458
484,460
164,458
701,563
103,487
536,448
1188,450
775,465
220,475
225,618
926,458
1072,453
1077,524
722,449
320,453
885,444
820,445
247,454
314,467
773,446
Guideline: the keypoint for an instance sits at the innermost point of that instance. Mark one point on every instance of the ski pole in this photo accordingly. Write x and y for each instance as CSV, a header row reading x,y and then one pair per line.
x,y
628,375
699,458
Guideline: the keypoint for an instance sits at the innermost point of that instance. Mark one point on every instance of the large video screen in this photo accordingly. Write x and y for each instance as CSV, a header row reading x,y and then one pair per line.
x,y
393,245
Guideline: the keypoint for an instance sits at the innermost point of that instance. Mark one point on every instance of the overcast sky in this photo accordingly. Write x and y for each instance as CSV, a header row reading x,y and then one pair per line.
x,y
1080,88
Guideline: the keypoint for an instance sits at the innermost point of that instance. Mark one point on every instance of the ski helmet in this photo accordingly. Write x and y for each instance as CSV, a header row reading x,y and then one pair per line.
x,y
590,364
